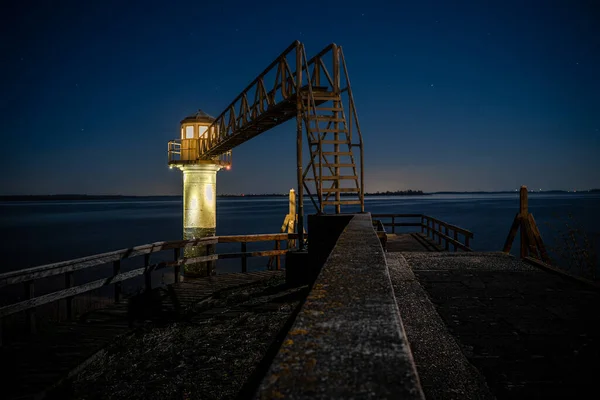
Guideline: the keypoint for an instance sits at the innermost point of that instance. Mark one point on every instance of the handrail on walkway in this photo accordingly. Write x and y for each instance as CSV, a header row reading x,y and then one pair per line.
x,y
28,276
432,227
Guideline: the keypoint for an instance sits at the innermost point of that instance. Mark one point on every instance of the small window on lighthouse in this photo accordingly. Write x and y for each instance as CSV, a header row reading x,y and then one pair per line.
x,y
189,132
202,131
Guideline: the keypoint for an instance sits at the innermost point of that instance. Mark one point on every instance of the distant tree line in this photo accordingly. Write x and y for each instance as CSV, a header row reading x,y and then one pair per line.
x,y
408,192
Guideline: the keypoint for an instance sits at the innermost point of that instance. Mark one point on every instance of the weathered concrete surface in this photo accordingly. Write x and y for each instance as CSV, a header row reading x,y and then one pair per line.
x,y
348,340
325,231
38,363
531,333
444,371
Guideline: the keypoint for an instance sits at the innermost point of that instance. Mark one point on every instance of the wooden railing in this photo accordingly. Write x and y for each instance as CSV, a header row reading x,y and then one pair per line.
x,y
446,234
112,260
380,231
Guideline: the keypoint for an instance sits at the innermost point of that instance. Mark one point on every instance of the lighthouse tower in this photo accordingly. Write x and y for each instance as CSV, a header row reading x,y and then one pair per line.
x,y
199,186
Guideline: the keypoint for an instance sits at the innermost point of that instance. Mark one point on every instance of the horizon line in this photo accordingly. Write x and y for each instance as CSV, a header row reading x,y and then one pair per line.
x,y
400,192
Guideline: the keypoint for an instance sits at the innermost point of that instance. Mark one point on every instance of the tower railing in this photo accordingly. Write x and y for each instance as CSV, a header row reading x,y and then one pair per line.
x,y
187,151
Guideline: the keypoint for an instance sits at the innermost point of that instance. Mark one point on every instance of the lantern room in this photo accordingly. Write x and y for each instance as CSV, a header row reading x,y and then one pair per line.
x,y
193,141
195,126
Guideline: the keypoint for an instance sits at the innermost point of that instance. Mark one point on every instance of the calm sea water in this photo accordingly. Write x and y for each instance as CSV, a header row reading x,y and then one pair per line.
x,y
35,233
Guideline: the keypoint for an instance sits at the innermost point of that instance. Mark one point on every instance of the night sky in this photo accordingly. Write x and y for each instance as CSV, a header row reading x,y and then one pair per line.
x,y
451,95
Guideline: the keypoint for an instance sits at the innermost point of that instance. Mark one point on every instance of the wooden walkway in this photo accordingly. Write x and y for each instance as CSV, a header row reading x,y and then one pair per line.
x,y
411,242
41,362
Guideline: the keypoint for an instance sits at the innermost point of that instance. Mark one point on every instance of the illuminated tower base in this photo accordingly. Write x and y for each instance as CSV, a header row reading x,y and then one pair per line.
x,y
199,213
199,186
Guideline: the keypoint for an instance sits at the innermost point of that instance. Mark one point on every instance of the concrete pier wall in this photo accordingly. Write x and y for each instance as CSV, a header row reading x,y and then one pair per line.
x,y
348,339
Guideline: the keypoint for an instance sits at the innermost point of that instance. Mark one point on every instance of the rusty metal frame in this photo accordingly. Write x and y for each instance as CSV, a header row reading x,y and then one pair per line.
x,y
330,77
295,86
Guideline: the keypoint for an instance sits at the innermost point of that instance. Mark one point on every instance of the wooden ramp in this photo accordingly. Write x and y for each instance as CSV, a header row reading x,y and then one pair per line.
x,y
41,362
411,242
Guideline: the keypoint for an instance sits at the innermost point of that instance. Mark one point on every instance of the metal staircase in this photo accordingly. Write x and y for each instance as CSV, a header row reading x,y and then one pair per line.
x,y
332,160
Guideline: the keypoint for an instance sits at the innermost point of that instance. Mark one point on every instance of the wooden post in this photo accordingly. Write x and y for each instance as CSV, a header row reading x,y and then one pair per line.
x,y
393,224
278,247
177,269
244,258
455,238
117,271
30,313
292,206
446,238
512,233
69,281
538,240
422,224
299,159
148,273
523,211
292,218
439,232
210,264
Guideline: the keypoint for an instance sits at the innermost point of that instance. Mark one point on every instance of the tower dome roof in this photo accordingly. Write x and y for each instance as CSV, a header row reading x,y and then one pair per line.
x,y
198,116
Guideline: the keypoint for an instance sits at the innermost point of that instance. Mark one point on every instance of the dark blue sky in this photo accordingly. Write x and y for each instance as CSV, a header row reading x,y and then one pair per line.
x,y
470,95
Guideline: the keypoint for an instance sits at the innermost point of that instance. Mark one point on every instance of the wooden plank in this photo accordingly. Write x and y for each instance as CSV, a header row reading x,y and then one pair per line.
x,y
252,238
538,240
278,248
342,202
37,301
263,253
540,264
62,267
450,226
512,233
118,288
69,282
244,257
341,190
30,313
76,290
457,243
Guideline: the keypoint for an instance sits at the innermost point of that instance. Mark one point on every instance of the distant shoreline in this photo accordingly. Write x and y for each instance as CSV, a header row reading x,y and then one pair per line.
x,y
126,197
